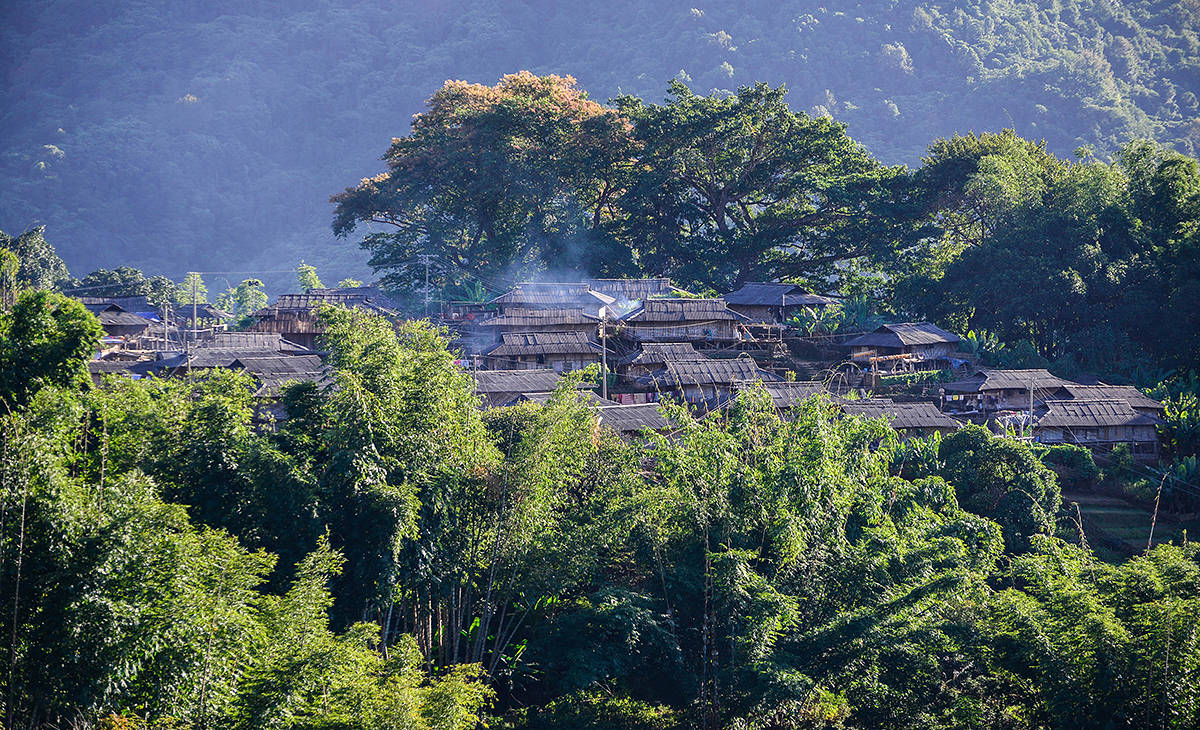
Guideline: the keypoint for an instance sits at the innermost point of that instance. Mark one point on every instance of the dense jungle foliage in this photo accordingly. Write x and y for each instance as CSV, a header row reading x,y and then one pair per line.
x,y
393,557
168,134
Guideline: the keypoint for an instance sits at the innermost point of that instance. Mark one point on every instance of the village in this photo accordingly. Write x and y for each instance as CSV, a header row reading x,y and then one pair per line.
x,y
650,341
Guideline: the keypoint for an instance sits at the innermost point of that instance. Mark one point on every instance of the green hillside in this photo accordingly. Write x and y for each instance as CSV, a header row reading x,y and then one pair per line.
x,y
167,135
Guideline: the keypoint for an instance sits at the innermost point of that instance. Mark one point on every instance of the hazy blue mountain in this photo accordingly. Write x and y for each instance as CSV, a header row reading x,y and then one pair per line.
x,y
209,134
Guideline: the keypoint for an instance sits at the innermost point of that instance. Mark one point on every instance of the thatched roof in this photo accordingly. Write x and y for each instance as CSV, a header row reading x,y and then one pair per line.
x,y
516,381
1092,414
303,306
786,394
633,417
992,380
514,344
534,318
904,334
707,372
900,415
771,294
634,289
119,318
658,353
551,294
682,310
1131,395
254,340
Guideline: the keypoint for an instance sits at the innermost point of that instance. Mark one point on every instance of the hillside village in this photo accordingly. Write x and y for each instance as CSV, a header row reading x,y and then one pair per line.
x,y
649,341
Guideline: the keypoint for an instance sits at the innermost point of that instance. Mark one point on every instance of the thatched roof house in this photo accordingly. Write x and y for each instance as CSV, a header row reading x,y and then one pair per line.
x,y
1098,424
683,320
772,302
560,351
908,419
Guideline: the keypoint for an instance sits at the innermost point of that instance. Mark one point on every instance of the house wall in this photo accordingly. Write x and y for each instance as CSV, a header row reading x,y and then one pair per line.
x,y
719,331
559,363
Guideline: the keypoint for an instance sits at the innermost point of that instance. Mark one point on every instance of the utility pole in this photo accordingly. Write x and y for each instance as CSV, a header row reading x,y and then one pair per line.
x,y
1032,382
604,353
195,295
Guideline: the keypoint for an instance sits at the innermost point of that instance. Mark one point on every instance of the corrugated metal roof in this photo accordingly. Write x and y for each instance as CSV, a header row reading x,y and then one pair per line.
x,y
633,417
903,334
900,415
682,310
1092,414
772,294
544,343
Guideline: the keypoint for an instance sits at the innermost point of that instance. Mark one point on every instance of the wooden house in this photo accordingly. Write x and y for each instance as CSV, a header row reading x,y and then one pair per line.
x,y
909,420
654,356
518,319
119,323
627,292
548,295
294,316
705,381
997,390
772,303
559,351
1099,425
905,346
700,321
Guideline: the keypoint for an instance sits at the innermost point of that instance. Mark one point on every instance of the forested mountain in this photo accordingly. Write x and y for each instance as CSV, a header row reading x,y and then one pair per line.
x,y
172,135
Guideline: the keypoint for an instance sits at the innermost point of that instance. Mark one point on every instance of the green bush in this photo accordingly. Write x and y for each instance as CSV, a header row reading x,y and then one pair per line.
x,y
1074,465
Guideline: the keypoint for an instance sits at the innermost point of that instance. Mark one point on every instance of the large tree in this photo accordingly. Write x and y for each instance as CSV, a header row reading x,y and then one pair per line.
x,y
40,265
736,188
491,179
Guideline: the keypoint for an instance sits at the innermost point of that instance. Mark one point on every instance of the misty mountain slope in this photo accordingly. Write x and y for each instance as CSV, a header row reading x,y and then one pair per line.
x,y
209,135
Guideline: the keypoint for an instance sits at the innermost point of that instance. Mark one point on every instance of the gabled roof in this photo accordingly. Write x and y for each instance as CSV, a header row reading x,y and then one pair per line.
x,y
682,310
553,294
371,293
544,343
773,294
516,381
221,357
129,304
255,340
900,415
522,317
786,394
278,365
1092,414
991,380
305,304
633,417
708,372
120,318
904,334
658,353
1131,395
634,289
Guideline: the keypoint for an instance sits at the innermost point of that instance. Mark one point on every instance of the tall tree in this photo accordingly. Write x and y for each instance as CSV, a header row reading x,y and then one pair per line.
x,y
46,339
507,178
735,188
40,266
